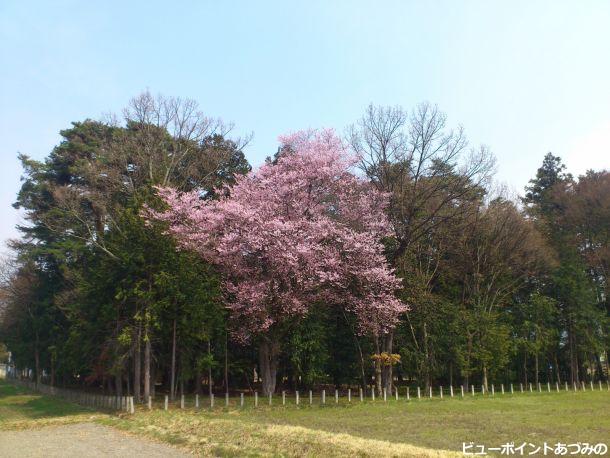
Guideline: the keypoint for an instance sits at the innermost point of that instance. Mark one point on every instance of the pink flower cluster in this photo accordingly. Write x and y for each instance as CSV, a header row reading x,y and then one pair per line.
x,y
287,235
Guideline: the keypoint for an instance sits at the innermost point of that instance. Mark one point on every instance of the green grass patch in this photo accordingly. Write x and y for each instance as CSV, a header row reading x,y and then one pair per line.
x,y
393,428
20,408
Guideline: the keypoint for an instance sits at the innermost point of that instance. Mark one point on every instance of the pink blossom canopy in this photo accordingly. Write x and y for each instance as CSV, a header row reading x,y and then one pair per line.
x,y
292,233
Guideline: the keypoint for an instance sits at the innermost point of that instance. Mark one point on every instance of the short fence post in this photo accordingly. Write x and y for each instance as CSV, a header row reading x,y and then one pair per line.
x,y
441,392
408,394
385,395
149,403
270,398
131,406
241,399
451,390
418,393
336,396
600,385
211,400
482,389
548,387
539,388
323,396
575,387
296,393
557,386
591,385
165,404
462,390
583,385
493,390
502,385
521,386
283,398
567,388
226,399
430,392
196,401
361,394
310,397
531,391
472,386
349,395
373,393
182,401
256,399
396,392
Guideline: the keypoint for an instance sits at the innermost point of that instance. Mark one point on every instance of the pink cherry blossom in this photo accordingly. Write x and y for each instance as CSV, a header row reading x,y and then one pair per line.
x,y
303,230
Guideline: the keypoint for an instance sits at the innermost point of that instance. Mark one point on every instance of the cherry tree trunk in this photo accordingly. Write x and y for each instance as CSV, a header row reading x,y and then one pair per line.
x,y
269,350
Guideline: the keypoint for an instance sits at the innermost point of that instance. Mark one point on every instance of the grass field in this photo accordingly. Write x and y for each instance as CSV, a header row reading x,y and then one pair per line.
x,y
416,428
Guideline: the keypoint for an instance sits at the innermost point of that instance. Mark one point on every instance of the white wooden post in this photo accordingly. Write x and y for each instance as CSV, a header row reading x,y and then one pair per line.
x,y
373,393
182,401
502,385
521,386
361,394
149,403
462,390
472,386
336,396
256,399
539,388
511,389
548,387
131,407
323,396
408,394
196,401
493,390
241,399
165,404
385,395
349,395
567,388
396,392
600,385
591,385
283,398
226,399
531,391
441,392
270,398
557,386
296,393
430,391
418,393
451,390
310,397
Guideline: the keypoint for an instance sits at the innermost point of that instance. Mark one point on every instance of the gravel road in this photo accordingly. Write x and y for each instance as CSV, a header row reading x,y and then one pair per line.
x,y
80,440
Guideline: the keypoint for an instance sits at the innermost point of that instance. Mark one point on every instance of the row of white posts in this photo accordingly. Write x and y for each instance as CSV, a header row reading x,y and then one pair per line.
x,y
361,394
126,403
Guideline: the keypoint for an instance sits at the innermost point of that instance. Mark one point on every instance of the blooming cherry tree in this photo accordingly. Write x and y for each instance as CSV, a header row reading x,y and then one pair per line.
x,y
302,230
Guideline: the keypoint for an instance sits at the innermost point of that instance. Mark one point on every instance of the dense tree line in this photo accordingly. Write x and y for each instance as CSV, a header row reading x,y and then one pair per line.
x,y
153,258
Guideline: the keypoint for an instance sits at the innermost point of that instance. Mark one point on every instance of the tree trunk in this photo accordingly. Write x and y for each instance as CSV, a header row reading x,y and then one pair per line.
x,y
485,383
557,369
210,382
146,363
37,359
119,384
269,351
137,366
172,386
386,374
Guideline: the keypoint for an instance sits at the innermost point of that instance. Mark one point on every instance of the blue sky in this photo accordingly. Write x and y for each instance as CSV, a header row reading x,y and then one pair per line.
x,y
523,78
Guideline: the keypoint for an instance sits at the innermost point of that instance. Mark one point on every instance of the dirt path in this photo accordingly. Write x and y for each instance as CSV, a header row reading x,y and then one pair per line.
x,y
80,440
